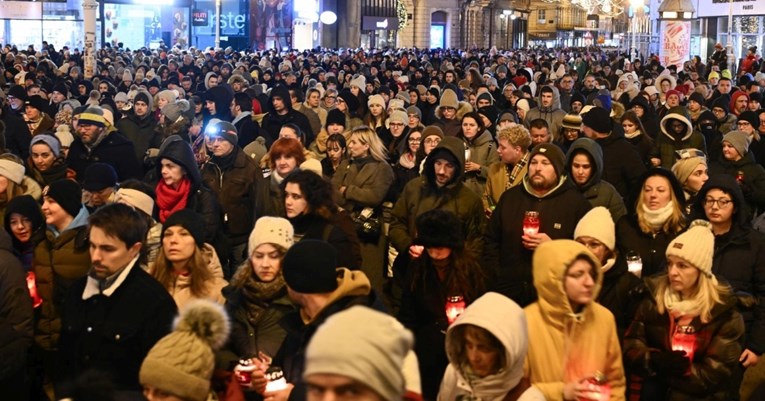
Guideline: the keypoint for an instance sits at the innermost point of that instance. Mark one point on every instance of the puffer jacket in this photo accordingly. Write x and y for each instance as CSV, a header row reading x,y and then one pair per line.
x,y
181,287
31,188
753,183
506,321
569,346
236,188
422,194
483,151
667,143
367,182
715,373
59,261
597,191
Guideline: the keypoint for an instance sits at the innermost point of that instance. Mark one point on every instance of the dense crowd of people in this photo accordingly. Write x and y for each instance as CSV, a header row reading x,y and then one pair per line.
x,y
536,224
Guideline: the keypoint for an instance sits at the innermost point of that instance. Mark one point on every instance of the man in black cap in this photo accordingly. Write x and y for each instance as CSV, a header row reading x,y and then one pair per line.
x,y
508,245
320,289
622,166
96,144
99,185
16,98
38,121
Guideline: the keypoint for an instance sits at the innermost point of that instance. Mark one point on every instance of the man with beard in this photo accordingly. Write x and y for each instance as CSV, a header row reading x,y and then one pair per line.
x,y
140,126
507,246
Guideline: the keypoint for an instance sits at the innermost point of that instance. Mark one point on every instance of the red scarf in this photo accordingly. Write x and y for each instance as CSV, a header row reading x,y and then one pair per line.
x,y
170,200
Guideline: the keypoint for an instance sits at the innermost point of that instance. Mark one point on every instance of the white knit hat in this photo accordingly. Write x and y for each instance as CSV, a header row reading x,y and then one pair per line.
x,y
376,99
271,230
136,199
598,224
695,246
12,170
359,82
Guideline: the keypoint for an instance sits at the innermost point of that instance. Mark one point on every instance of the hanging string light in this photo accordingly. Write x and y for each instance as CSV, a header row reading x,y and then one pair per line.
x,y
403,16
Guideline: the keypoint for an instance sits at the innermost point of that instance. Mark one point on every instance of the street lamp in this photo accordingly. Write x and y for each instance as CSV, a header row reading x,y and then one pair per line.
x,y
636,5
675,16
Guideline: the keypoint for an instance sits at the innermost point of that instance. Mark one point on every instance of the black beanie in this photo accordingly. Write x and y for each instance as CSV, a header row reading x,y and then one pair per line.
x,y
141,97
438,227
723,102
99,176
18,92
66,193
26,206
335,116
191,221
599,119
698,98
751,117
445,154
553,153
310,267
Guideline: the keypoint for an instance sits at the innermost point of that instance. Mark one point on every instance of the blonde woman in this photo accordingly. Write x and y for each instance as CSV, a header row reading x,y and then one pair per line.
x,y
656,218
687,339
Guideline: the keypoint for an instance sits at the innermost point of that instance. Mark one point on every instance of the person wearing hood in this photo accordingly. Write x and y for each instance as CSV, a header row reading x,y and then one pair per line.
x,y
647,115
548,110
217,102
708,126
446,268
139,126
23,220
575,342
480,151
691,171
547,190
282,113
180,186
449,113
677,133
584,164
487,347
738,162
739,102
687,301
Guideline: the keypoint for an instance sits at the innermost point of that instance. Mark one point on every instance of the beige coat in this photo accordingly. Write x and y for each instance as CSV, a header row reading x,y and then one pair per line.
x,y
181,291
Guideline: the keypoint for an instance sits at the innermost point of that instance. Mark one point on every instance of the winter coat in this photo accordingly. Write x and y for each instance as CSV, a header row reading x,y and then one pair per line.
x,y
483,151
367,182
504,254
753,183
667,143
507,323
58,171
17,136
451,127
422,194
59,261
31,188
16,323
597,191
650,119
650,247
715,371
353,288
247,129
113,333
272,122
114,149
553,114
621,293
622,166
643,145
343,239
568,346
269,199
727,124
180,289
313,120
141,132
235,187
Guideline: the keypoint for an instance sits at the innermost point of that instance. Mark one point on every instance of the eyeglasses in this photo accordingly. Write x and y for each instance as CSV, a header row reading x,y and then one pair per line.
x,y
744,123
721,203
432,141
396,124
414,140
689,153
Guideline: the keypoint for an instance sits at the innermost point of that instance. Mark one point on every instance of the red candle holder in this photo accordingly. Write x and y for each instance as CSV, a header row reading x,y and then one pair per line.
x,y
455,305
32,287
684,339
531,222
598,387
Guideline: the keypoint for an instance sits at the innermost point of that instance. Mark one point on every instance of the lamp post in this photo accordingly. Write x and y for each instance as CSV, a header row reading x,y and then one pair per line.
x,y
217,23
675,16
729,47
89,8
636,5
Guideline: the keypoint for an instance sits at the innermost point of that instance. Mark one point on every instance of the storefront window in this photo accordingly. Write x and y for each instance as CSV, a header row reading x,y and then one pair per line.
x,y
234,24
747,31
139,25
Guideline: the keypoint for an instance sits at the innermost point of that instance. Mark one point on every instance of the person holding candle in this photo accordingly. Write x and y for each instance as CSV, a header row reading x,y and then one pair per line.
x,y
574,350
480,146
656,218
686,339
739,259
584,163
487,347
446,269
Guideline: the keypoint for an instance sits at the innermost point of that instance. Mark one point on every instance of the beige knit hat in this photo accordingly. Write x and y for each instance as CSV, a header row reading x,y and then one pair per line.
x,y
182,362
695,246
449,99
11,169
376,99
598,224
271,230
689,160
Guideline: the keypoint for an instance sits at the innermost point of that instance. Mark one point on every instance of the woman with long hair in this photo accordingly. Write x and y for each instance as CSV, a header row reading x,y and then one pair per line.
x,y
446,269
636,135
406,168
47,162
310,207
337,151
687,339
654,218
691,171
23,221
187,267
377,114
480,151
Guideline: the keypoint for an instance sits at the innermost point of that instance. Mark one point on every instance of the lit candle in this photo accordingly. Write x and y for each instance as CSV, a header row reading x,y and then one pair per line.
x,y
454,307
32,287
276,380
531,222
684,339
634,263
598,387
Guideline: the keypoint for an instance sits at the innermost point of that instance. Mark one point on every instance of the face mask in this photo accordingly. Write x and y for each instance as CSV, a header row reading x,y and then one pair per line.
x,y
707,129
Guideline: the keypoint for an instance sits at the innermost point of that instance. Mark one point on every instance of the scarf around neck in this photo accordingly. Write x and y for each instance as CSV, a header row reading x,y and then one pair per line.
x,y
657,218
170,200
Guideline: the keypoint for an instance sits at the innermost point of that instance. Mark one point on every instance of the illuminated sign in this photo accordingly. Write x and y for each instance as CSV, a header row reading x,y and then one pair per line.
x,y
199,18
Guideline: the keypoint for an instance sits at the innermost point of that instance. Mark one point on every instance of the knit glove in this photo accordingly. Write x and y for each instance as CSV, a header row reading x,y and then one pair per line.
x,y
670,363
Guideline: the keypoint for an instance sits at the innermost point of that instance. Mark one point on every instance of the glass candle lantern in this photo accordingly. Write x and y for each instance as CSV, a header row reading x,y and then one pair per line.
x,y
531,222
455,305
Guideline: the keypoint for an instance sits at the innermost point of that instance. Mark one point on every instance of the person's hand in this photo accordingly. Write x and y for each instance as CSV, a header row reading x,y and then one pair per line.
x,y
655,161
532,241
415,251
280,395
342,190
581,390
488,213
472,166
670,363
748,358
257,381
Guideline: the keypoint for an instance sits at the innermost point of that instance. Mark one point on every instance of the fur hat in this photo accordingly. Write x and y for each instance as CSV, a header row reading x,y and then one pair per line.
x,y
66,193
696,246
739,140
553,153
191,221
599,224
182,362
271,230
11,170
371,353
310,267
449,99
689,160
599,119
438,227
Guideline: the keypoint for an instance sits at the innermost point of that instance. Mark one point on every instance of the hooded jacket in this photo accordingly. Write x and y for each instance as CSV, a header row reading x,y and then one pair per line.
x,y
597,191
649,119
506,321
569,346
553,114
422,194
483,151
272,122
141,130
753,183
668,142
221,95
